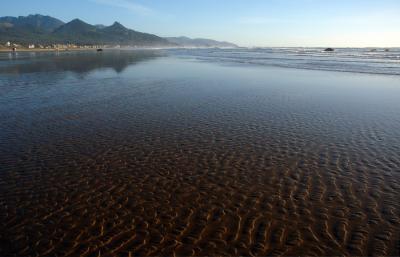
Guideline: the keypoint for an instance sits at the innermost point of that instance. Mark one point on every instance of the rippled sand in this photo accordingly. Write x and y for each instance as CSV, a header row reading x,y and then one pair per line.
x,y
171,157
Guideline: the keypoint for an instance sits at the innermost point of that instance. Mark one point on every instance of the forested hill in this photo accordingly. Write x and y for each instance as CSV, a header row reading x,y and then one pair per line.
x,y
39,29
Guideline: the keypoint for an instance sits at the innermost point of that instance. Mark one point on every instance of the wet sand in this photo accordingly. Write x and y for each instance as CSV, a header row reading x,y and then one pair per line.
x,y
139,155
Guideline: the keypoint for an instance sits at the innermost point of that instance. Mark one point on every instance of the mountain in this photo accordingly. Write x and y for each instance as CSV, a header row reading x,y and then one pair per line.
x,y
33,22
198,42
40,29
78,32
46,30
118,33
25,30
75,26
116,28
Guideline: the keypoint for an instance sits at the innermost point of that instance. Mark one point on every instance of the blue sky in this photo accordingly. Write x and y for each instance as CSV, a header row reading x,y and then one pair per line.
x,y
245,22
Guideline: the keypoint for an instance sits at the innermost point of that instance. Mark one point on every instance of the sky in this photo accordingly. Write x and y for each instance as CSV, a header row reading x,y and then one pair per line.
x,y
335,23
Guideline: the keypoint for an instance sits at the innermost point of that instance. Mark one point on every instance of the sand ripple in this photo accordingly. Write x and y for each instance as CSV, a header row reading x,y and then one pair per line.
x,y
167,168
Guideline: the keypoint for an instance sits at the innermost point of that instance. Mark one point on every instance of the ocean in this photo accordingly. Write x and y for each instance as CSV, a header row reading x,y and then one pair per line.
x,y
361,60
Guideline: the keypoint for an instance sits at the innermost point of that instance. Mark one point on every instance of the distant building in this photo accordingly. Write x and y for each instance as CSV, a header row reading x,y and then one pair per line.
x,y
31,46
8,44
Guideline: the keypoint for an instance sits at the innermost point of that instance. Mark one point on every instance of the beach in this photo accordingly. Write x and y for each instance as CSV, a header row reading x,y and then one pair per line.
x,y
158,153
34,50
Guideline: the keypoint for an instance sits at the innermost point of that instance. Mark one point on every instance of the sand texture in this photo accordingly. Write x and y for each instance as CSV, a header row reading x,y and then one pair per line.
x,y
222,161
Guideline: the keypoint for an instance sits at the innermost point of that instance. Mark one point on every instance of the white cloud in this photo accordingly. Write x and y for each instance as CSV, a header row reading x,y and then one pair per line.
x,y
125,4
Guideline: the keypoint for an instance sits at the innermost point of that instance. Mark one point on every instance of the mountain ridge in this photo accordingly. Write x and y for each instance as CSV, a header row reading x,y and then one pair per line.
x,y
22,30
44,23
199,42
46,30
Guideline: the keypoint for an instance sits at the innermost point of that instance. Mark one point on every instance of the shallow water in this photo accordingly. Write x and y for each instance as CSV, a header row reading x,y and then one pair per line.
x,y
360,60
147,153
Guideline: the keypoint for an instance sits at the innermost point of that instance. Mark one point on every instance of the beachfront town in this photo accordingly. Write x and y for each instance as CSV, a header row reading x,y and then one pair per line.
x,y
15,46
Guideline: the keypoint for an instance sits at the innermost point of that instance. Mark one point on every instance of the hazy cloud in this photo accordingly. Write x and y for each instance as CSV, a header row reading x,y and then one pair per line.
x,y
126,4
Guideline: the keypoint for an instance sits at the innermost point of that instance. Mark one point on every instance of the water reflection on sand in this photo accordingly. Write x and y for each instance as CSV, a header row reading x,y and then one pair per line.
x,y
138,153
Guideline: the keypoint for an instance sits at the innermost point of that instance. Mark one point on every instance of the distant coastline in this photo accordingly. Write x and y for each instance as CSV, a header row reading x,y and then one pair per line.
x,y
38,31
25,49
6,50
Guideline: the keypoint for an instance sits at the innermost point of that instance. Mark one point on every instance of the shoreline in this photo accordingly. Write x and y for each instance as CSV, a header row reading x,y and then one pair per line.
x,y
46,50
7,50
